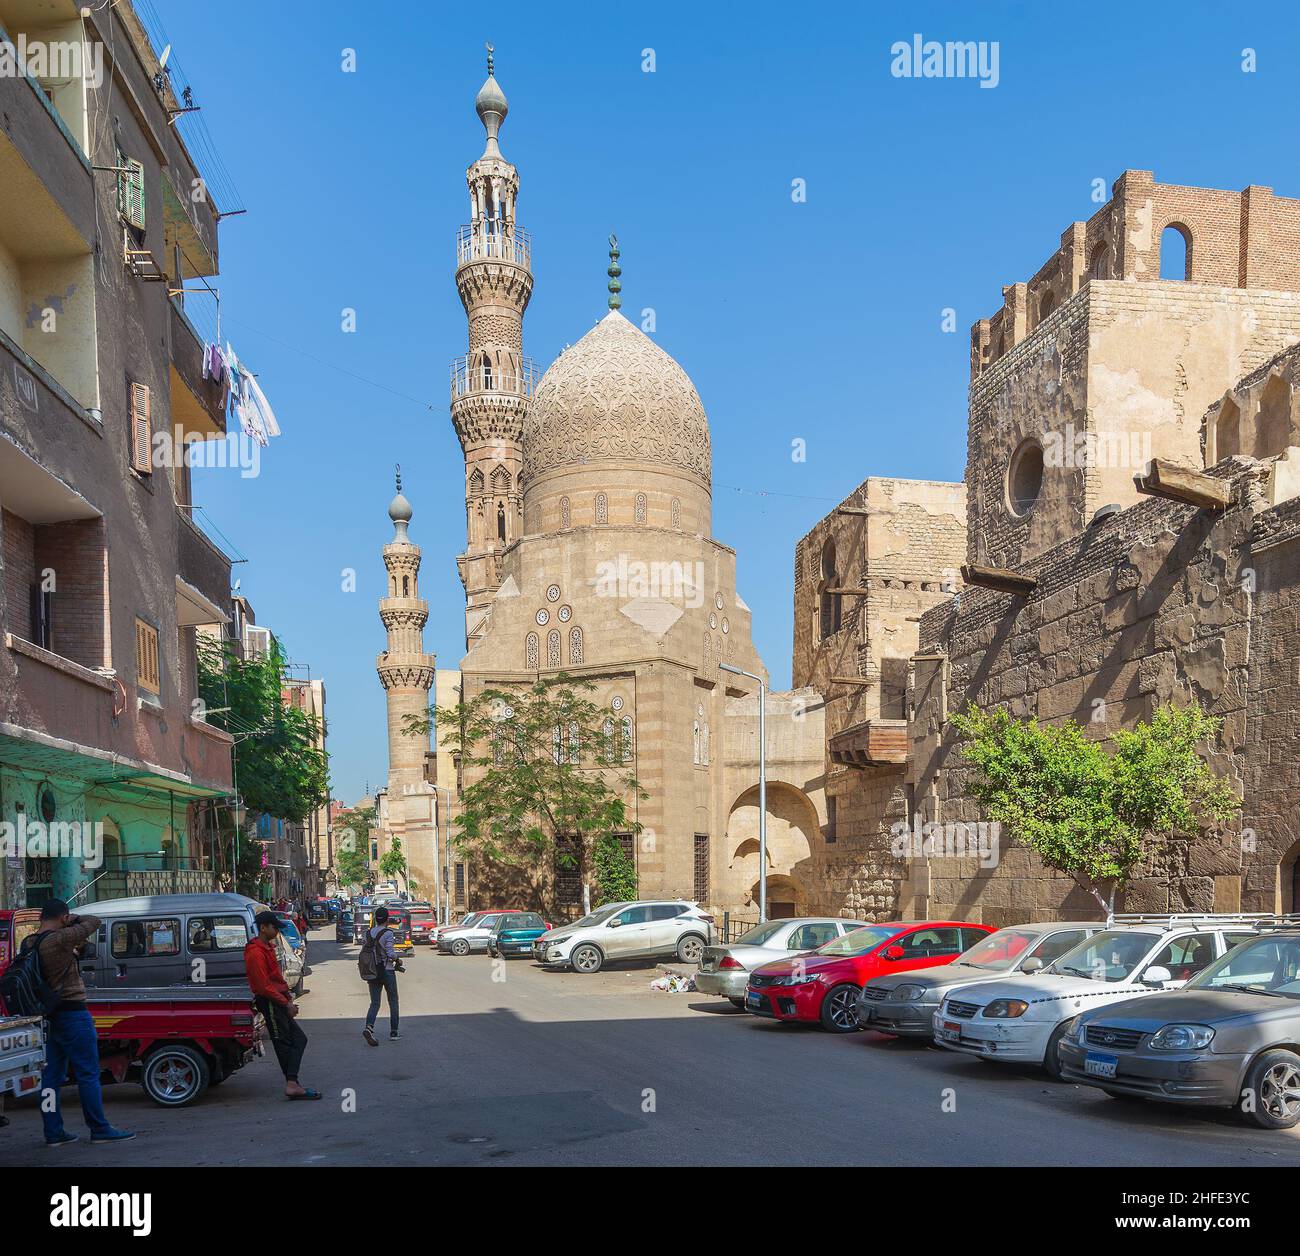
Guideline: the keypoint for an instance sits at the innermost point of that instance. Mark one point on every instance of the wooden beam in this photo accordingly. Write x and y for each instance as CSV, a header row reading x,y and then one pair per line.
x,y
851,680
855,510
1000,578
1181,484
853,591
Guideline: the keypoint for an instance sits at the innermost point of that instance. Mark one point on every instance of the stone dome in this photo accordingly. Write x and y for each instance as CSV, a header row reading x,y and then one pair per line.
x,y
616,398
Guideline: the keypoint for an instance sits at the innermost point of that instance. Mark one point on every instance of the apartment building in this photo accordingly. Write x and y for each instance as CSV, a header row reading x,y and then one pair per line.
x,y
104,576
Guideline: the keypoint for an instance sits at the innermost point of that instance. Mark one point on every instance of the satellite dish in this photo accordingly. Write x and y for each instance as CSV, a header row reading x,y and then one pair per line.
x,y
166,53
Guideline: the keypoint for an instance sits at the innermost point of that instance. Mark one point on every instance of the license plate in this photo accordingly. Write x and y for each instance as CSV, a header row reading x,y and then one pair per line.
x,y
1097,1065
950,1031
753,1000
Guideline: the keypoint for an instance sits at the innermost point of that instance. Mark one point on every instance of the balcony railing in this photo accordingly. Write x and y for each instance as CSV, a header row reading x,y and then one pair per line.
x,y
493,240
469,377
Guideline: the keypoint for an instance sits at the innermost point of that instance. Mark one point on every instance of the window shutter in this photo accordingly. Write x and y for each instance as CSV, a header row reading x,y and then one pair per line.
x,y
130,191
146,656
141,429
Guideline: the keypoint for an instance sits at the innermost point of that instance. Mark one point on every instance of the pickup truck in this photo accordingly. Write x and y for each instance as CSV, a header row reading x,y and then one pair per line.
x,y
22,1054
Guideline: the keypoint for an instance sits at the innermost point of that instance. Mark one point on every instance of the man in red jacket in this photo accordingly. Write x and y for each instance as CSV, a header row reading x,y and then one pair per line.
x,y
273,1000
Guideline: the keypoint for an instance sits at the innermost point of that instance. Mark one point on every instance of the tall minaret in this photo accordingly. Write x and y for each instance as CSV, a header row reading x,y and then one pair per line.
x,y
407,674
491,385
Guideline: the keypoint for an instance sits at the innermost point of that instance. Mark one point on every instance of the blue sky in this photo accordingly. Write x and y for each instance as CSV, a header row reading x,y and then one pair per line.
x,y
818,320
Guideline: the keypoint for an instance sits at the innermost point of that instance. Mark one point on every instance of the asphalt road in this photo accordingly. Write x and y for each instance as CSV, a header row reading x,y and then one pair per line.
x,y
517,1066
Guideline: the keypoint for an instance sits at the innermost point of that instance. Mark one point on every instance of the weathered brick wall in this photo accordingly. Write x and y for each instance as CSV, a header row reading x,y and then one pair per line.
x,y
1152,605
17,549
77,555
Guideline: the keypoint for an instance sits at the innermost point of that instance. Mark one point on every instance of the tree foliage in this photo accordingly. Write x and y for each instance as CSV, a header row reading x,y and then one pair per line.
x,y
615,871
546,763
392,863
352,829
1086,810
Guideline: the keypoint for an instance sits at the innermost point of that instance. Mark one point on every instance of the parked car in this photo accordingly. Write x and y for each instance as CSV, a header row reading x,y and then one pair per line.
x,y
661,929
724,970
468,918
343,927
905,1003
1024,1019
471,937
424,924
1227,1039
822,988
514,934
22,1054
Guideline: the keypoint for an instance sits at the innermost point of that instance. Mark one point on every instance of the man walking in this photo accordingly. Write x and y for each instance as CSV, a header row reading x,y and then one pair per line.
x,y
273,1000
386,966
72,1043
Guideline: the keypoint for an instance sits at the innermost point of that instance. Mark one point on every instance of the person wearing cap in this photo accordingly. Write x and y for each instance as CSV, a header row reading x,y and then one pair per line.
x,y
273,1000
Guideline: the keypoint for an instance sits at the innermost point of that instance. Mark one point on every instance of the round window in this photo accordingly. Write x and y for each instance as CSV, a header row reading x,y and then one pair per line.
x,y
47,804
1025,477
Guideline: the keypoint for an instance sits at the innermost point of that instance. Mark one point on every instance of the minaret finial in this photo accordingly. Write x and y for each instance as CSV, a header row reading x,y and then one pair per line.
x,y
615,270
490,51
399,476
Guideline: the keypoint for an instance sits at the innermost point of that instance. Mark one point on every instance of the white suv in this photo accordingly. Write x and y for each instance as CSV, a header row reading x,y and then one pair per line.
x,y
664,929
1024,1019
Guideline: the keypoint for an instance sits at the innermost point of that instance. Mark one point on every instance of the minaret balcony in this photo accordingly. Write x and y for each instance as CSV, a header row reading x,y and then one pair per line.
x,y
494,240
470,376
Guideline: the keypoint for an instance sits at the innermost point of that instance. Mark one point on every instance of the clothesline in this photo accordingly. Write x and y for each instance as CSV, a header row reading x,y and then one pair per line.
x,y
244,398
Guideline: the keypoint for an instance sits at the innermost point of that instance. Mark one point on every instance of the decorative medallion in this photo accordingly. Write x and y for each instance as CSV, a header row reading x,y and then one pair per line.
x,y
713,620
543,616
717,600
617,703
726,627
553,593
565,614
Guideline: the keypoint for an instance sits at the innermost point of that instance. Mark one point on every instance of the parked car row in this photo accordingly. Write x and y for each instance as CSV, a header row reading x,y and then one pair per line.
x,y
1196,1010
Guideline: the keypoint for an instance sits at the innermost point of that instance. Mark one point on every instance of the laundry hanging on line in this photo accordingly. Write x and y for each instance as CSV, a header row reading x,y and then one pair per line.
x,y
248,402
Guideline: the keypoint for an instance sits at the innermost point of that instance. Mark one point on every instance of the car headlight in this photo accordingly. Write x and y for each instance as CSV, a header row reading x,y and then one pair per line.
x,y
797,979
558,941
907,993
1182,1038
1076,1031
1002,1009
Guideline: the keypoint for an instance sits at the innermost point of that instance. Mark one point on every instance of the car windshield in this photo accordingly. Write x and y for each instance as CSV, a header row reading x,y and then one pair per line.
x,y
1270,965
759,934
599,916
1108,956
999,951
858,942
290,931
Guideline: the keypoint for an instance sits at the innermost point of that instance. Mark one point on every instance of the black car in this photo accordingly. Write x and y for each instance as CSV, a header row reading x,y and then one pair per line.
x,y
343,927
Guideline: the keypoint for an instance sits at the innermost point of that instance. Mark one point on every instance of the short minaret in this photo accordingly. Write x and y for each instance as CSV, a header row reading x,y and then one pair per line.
x,y
405,670
491,384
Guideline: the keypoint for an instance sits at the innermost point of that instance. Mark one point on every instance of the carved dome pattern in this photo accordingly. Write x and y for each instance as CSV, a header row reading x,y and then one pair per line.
x,y
616,396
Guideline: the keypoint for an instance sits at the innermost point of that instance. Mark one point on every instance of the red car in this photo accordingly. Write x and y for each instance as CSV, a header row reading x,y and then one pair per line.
x,y
822,986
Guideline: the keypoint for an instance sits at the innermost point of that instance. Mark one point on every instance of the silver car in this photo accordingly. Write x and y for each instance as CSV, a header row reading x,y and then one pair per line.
x,y
658,929
905,1003
474,936
1226,1039
724,970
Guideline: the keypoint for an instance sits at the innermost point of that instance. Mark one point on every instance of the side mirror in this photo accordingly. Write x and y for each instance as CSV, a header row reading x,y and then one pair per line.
x,y
1032,965
615,922
893,952
1156,976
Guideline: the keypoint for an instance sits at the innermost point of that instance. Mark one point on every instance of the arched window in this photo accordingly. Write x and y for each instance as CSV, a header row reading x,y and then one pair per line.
x,y
1099,262
575,644
565,516
1175,252
677,512
487,373
575,744
625,742
406,586
530,651
557,743
704,744
830,602
639,508
1025,477
695,747
1046,305
602,508
708,647
393,582
476,481
553,648
1273,423
501,523
1227,431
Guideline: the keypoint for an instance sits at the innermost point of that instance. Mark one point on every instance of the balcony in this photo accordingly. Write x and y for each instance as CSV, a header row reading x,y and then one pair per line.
x,y
198,404
871,743
475,377
495,241
131,876
202,576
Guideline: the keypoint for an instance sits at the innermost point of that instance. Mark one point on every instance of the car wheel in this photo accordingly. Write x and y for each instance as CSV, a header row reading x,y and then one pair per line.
x,y
587,959
690,948
1273,1086
175,1075
460,947
1052,1056
738,1004
839,1009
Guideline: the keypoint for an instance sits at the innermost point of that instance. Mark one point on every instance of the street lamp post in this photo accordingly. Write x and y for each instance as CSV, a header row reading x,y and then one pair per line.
x,y
762,785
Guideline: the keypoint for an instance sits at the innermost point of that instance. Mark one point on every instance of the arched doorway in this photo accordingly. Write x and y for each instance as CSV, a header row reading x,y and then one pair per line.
x,y
792,832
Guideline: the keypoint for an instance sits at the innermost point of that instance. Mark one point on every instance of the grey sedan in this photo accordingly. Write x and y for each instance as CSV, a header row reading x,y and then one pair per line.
x,y
725,970
905,1003
1226,1039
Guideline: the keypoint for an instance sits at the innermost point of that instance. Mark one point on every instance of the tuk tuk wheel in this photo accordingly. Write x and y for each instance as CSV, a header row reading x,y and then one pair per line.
x,y
174,1075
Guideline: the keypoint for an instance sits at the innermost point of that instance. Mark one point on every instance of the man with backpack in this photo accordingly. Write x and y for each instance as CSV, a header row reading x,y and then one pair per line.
x,y
379,966
44,979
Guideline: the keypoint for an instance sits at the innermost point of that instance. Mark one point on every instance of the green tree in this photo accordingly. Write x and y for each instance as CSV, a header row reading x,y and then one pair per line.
x,y
1089,811
392,863
547,764
615,871
352,828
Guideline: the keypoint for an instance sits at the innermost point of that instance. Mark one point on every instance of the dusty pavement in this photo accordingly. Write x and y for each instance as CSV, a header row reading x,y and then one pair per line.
x,y
514,1065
